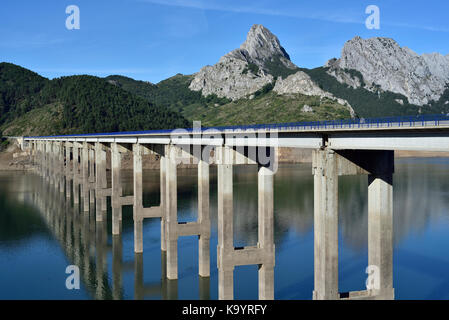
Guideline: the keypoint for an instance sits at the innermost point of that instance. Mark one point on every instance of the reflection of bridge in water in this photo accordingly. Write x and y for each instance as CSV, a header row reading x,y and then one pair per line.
x,y
85,243
80,162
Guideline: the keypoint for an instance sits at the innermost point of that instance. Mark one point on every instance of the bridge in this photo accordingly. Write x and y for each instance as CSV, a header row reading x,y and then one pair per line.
x,y
76,165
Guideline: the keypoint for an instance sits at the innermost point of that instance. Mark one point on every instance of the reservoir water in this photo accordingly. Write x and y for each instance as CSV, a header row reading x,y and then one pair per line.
x,y
41,233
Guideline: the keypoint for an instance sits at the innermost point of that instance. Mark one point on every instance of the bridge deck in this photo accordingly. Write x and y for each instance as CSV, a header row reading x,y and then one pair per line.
x,y
423,133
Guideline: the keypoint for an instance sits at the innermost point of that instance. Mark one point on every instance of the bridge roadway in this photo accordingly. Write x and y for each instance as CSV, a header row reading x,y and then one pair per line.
x,y
416,135
76,165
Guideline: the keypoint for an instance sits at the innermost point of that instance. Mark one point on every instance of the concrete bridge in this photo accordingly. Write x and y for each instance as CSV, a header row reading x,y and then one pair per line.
x,y
340,148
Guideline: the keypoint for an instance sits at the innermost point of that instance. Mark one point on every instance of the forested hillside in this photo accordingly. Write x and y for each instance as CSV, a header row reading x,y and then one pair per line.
x,y
19,90
33,105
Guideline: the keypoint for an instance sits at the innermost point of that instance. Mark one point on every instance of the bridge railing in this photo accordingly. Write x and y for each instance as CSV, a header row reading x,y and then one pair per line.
x,y
356,123
384,122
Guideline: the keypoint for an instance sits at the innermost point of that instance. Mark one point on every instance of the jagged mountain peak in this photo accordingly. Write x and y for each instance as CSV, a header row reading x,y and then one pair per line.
x,y
383,62
261,46
258,61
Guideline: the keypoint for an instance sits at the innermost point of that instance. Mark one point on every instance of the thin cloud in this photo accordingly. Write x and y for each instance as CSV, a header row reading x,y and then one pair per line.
x,y
34,42
327,17
194,4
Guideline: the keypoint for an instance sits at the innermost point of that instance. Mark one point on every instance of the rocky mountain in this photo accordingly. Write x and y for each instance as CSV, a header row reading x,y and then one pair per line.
x,y
243,71
386,65
260,62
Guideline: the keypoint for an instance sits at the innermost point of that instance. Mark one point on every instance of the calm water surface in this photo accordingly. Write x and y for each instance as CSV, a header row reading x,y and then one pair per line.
x,y
41,234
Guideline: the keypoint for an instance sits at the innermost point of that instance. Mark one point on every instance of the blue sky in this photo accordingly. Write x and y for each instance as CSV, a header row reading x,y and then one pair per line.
x,y
154,39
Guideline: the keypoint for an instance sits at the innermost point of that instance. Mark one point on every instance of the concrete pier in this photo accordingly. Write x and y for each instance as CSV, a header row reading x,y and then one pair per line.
x,y
137,212
92,178
85,176
379,167
325,225
117,200
380,231
100,182
76,174
68,169
263,254
140,212
176,229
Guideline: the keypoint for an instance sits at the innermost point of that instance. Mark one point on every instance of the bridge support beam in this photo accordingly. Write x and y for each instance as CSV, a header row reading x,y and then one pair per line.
x,y
92,178
175,229
263,254
68,165
76,193
380,232
138,201
140,212
85,176
61,172
101,182
328,165
117,201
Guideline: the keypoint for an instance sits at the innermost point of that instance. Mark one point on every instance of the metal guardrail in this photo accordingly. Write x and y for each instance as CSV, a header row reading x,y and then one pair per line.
x,y
357,123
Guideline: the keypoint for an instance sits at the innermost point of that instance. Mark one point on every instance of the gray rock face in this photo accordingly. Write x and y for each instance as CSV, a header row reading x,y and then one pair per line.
x,y
383,62
300,82
242,71
261,45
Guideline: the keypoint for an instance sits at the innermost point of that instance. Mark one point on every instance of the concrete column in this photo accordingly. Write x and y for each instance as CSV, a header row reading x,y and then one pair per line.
x,y
85,176
61,168
91,174
47,160
163,201
266,233
203,219
49,153
137,214
101,182
326,226
225,224
68,169
54,164
76,195
171,214
380,232
116,159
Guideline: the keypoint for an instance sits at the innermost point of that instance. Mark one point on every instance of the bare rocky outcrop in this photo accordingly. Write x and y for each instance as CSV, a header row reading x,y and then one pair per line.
x,y
301,82
243,71
382,62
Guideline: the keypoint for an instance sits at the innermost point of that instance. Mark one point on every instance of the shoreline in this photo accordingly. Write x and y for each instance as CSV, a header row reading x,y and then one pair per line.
x,y
13,159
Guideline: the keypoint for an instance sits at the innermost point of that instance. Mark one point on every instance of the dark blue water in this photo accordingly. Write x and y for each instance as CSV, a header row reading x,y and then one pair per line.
x,y
41,234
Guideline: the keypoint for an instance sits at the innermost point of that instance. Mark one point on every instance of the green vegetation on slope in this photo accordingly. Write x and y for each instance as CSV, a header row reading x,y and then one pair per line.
x,y
268,108
93,105
33,105
369,104
277,69
173,93
19,90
